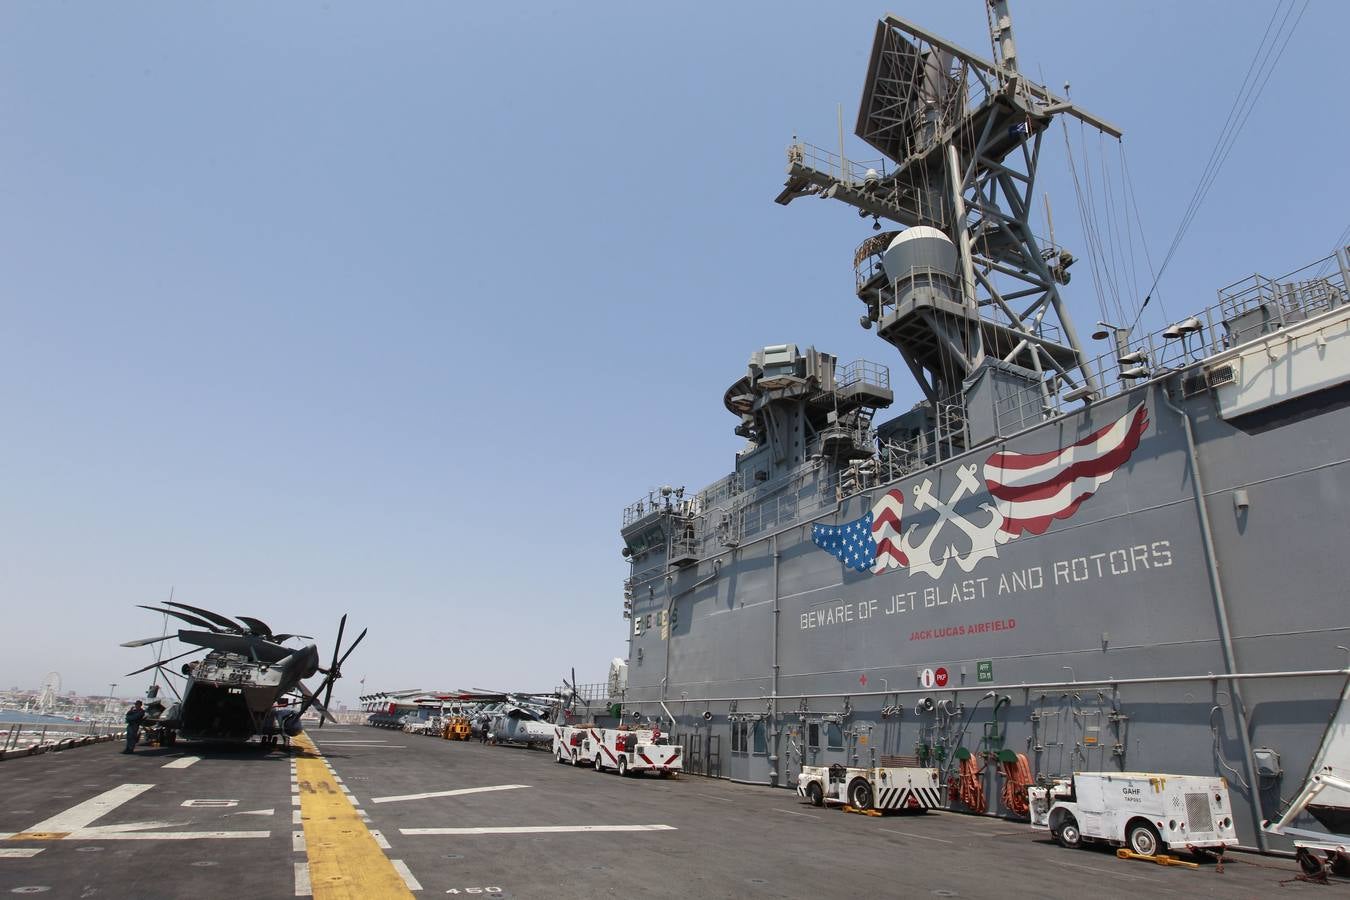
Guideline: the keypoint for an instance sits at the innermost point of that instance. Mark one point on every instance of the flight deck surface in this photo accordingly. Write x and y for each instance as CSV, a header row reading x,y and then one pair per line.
x,y
378,813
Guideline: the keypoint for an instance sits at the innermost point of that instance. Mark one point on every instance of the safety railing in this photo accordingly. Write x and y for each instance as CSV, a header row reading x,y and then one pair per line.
x,y
849,171
596,692
863,371
666,499
23,736
1246,309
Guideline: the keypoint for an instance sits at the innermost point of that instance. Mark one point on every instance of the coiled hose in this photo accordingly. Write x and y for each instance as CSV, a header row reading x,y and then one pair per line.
x,y
965,786
1016,780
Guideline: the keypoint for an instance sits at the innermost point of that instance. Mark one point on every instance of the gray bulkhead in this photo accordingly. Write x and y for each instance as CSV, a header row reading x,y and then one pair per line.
x,y
1119,590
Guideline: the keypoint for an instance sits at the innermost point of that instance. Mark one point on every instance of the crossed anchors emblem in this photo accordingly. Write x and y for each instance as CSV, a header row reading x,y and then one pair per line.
x,y
984,539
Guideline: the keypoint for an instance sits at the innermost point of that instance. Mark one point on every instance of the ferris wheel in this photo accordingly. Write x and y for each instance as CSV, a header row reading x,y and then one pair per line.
x,y
51,688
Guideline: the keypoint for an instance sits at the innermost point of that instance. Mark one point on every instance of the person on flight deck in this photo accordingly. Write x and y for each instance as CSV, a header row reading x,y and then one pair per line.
x,y
135,716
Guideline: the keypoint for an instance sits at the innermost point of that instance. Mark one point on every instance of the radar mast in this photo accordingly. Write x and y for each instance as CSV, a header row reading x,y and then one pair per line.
x,y
967,293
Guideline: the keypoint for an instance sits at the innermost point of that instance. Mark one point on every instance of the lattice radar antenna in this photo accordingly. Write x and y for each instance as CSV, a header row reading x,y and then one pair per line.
x,y
961,137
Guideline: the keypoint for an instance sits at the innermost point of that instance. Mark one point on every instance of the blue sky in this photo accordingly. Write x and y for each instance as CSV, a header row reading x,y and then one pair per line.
x,y
389,309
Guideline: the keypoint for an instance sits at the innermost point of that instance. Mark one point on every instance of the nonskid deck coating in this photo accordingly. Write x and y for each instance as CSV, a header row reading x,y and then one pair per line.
x,y
546,837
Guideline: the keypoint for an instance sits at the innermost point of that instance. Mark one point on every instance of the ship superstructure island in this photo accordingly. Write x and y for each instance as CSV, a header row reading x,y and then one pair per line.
x,y
1129,562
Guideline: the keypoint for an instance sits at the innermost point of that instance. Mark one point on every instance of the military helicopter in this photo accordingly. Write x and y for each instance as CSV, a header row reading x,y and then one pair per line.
x,y
248,685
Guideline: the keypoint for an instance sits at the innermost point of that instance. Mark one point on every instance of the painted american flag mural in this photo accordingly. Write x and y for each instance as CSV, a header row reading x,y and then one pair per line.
x,y
1029,491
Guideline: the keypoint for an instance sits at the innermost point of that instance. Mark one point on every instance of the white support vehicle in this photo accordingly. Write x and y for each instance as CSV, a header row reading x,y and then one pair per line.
x,y
1144,812
886,788
632,752
1326,798
569,742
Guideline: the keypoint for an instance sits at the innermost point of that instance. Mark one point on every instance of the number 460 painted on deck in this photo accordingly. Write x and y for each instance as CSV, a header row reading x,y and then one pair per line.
x,y
475,890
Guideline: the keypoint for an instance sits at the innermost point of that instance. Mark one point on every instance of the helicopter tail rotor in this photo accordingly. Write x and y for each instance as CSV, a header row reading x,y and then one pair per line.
x,y
331,675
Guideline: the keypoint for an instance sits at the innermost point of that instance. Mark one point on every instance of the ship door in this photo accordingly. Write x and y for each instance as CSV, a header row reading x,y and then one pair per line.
x,y
694,757
1051,758
794,738
1092,738
702,751
738,762
824,743
749,758
811,743
1073,733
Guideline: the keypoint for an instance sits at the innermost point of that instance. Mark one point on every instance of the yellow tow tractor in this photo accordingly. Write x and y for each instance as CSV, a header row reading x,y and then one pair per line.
x,y
456,729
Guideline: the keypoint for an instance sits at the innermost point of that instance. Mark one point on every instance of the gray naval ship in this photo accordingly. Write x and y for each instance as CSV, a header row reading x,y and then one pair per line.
x,y
1129,562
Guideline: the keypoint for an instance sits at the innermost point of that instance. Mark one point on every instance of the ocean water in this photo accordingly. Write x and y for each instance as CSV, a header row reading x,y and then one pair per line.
x,y
18,715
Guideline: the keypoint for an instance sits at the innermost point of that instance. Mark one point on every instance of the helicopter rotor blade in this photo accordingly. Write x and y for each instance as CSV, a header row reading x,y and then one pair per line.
x,y
312,699
161,663
246,645
331,674
342,626
206,613
257,626
327,694
151,640
182,616
358,640
335,672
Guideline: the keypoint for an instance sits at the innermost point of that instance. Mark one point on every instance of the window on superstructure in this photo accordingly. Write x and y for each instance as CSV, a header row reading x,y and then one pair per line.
x,y
735,737
813,736
761,745
834,736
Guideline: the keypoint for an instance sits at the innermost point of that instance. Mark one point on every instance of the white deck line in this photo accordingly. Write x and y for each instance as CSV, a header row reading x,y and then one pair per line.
x,y
83,814
20,852
455,793
302,885
1105,871
537,829
922,837
298,841
792,813
380,839
182,763
402,868
93,835
127,826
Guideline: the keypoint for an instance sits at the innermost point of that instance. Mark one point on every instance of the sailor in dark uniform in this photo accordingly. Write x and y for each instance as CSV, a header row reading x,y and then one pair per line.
x,y
135,716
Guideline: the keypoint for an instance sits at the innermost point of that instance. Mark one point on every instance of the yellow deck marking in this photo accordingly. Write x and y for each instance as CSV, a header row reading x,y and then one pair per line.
x,y
345,862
